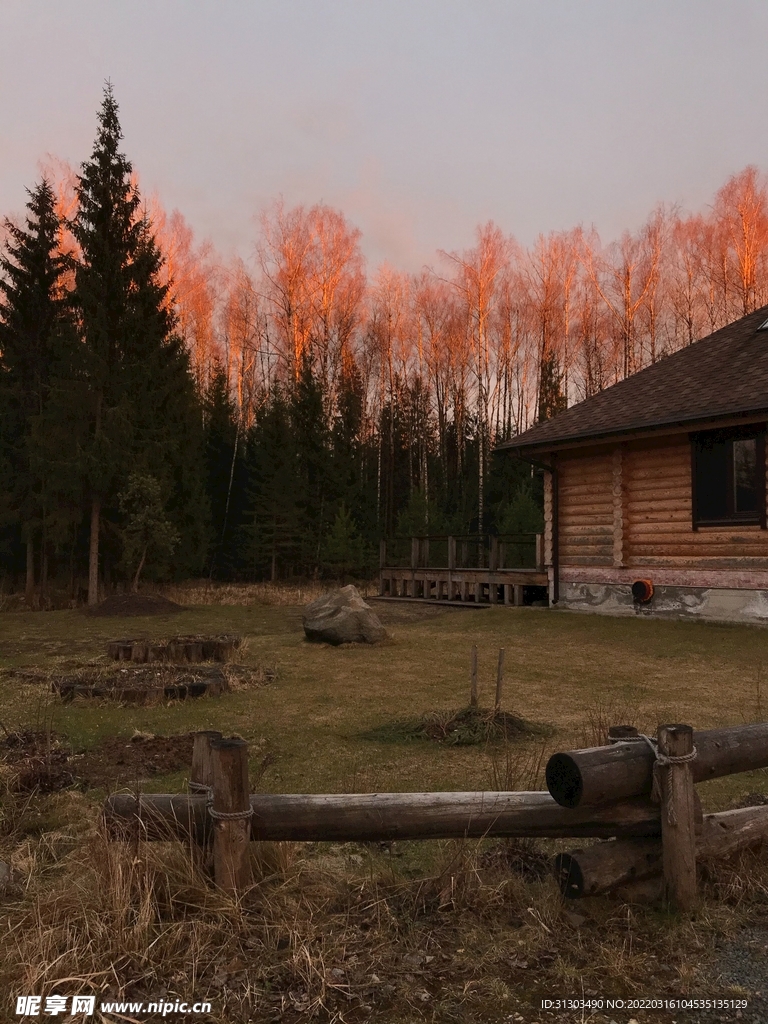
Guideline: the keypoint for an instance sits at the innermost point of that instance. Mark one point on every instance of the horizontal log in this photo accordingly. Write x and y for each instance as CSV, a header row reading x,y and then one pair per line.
x,y
650,560
606,866
581,526
383,816
577,559
597,775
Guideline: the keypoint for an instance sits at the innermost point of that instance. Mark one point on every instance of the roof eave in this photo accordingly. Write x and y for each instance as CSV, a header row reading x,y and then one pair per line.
x,y
638,431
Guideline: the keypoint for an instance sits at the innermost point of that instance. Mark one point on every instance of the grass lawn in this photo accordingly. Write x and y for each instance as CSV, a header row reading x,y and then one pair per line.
x,y
491,956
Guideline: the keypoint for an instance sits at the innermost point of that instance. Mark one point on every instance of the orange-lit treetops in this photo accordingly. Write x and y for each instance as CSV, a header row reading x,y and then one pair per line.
x,y
493,336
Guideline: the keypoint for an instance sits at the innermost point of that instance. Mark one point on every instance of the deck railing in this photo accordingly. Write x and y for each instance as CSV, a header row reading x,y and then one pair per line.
x,y
467,551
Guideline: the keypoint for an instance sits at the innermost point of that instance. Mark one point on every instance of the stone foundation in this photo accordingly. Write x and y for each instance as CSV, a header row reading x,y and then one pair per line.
x,y
716,604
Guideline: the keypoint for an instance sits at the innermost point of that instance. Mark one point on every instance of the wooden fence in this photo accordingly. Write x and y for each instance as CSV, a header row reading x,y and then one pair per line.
x,y
637,792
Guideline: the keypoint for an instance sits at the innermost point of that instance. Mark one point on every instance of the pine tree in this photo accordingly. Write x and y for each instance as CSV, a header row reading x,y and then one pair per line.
x,y
32,326
141,407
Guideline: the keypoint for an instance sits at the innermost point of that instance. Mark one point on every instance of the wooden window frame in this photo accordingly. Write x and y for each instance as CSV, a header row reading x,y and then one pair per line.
x,y
758,518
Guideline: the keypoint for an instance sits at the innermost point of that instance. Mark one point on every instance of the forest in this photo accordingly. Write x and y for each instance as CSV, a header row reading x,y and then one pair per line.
x,y
166,413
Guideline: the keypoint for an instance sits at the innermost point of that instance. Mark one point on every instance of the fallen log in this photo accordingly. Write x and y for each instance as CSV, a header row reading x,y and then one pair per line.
x,y
605,866
382,816
619,771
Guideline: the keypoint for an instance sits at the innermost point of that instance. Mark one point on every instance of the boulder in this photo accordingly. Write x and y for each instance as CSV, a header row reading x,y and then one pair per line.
x,y
342,617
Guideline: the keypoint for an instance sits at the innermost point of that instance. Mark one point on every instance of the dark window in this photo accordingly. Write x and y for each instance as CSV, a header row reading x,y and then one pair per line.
x,y
728,477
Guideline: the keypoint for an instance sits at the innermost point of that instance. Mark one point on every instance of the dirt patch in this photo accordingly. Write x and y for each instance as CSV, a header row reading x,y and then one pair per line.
x,y
44,763
467,727
135,604
34,762
119,762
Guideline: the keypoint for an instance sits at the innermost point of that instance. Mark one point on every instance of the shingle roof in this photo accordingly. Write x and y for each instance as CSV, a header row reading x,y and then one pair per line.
x,y
724,374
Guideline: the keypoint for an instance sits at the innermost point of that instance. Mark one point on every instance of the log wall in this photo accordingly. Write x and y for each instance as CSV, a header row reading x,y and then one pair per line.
x,y
631,505
585,507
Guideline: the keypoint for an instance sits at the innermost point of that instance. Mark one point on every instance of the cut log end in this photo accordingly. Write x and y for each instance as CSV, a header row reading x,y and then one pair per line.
x,y
564,780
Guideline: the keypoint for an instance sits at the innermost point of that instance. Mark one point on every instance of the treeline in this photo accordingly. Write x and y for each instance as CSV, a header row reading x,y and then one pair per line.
x,y
166,414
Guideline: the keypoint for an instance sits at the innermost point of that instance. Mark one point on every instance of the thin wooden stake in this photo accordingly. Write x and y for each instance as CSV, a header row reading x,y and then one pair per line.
x,y
473,680
499,680
231,812
678,836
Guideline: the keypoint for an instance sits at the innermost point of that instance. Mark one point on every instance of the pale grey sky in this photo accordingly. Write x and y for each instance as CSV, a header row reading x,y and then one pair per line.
x,y
418,118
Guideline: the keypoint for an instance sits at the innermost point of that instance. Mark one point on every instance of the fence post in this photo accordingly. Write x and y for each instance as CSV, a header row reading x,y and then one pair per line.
x,y
201,772
473,679
677,815
231,813
201,778
499,680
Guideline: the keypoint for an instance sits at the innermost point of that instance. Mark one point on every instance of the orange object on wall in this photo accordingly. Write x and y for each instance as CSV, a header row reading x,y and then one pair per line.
x,y
642,591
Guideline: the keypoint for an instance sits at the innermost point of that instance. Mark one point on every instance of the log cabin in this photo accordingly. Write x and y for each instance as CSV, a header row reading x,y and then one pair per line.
x,y
655,488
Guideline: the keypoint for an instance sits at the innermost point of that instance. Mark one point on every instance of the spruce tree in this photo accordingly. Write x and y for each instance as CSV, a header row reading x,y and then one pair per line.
x,y
31,349
551,397
141,407
272,532
225,469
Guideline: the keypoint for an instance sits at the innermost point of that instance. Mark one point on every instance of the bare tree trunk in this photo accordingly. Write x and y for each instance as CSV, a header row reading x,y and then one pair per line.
x,y
43,572
29,590
93,554
135,585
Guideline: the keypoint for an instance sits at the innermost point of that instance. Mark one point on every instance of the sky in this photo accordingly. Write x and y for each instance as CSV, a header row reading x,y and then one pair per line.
x,y
419,119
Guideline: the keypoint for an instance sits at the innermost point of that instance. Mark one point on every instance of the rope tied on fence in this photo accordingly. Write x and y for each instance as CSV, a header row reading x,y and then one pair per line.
x,y
229,815
660,761
207,791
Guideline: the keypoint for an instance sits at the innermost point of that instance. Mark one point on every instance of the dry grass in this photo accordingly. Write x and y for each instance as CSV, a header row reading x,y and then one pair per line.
x,y
435,931
208,592
343,932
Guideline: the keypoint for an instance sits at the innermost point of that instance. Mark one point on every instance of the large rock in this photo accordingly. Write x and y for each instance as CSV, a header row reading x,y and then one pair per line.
x,y
342,617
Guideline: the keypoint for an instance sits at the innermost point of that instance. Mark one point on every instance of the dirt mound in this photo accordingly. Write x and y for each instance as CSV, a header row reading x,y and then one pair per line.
x,y
135,604
463,728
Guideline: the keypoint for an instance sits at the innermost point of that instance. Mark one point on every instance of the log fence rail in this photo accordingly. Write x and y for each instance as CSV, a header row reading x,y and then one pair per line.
x,y
650,830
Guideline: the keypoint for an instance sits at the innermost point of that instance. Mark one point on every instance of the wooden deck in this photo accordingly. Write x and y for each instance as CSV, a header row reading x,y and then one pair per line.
x,y
462,584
